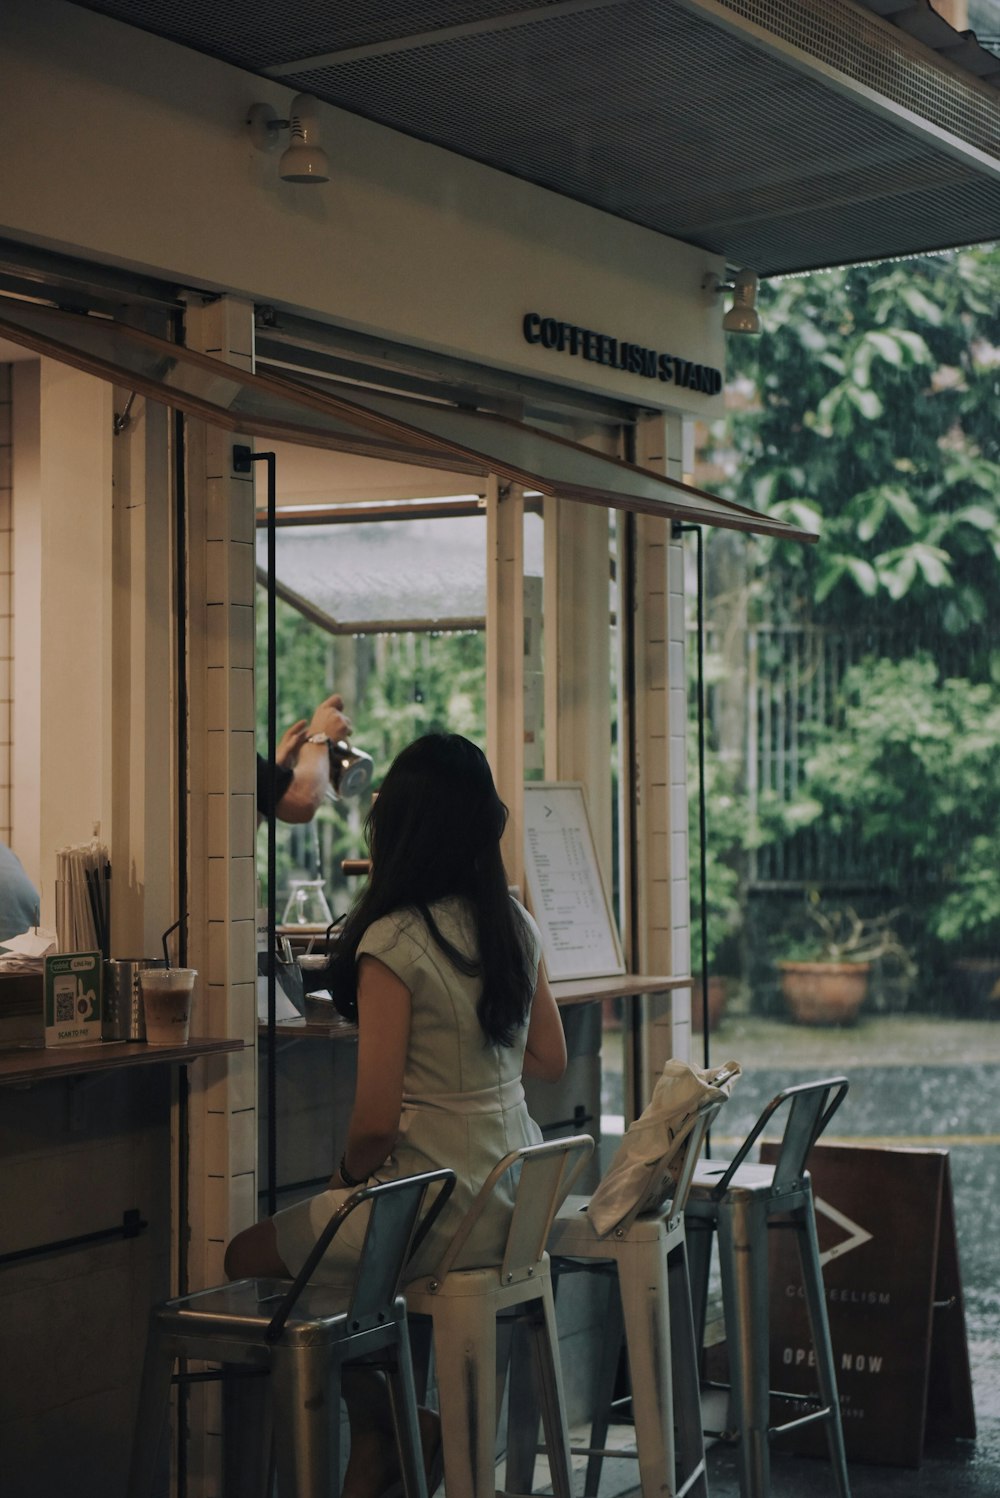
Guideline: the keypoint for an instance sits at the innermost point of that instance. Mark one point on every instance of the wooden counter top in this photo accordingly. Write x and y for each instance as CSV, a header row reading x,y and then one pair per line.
x,y
38,1064
574,991
625,986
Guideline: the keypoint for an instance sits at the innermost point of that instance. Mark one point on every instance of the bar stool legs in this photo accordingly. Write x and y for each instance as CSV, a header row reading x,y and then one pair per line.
x,y
742,1223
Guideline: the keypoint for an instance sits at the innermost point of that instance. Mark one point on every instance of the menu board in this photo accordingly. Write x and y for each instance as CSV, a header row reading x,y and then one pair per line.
x,y
565,888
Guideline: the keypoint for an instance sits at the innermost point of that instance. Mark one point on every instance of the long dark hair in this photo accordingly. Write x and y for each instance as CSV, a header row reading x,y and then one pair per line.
x,y
434,831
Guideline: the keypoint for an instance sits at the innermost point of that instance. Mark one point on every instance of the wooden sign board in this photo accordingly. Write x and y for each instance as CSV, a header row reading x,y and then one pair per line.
x,y
886,1229
565,887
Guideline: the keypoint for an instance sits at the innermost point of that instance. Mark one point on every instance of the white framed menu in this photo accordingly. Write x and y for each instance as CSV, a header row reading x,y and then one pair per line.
x,y
565,889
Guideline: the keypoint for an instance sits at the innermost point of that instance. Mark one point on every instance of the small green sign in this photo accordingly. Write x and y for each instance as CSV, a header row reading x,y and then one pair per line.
x,y
73,998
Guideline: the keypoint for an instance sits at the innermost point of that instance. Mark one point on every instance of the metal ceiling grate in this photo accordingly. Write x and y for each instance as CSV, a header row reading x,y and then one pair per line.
x,y
673,114
883,59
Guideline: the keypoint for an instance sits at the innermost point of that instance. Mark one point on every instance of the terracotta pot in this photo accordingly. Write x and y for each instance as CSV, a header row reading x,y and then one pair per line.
x,y
824,993
717,994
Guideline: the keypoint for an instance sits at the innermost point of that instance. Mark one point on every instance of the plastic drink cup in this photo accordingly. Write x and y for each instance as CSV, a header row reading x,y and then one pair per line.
x,y
166,999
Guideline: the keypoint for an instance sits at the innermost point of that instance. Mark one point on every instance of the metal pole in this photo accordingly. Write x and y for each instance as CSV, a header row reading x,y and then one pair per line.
x,y
243,457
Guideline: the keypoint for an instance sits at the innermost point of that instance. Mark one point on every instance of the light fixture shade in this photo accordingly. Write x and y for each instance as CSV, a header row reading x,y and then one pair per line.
x,y
305,160
742,316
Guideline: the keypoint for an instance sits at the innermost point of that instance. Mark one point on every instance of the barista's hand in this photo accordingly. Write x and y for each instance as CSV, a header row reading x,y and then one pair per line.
x,y
329,719
291,742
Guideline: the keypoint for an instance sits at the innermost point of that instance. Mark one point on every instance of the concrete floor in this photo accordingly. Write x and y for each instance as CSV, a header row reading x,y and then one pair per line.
x,y
918,1081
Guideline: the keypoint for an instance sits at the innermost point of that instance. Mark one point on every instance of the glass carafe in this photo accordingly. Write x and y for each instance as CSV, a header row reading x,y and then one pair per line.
x,y
307,904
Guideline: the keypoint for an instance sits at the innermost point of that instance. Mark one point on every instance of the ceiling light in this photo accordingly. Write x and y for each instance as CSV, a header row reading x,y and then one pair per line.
x,y
304,160
742,316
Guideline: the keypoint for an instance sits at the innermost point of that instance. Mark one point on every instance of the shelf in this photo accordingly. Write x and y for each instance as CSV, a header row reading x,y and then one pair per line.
x,y
572,991
625,986
37,1064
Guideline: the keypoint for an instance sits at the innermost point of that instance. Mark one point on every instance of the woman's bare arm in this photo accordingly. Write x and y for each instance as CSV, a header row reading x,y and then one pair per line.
x,y
545,1051
383,1041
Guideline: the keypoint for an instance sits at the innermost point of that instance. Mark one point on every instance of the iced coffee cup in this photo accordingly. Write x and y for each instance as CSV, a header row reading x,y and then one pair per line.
x,y
166,1000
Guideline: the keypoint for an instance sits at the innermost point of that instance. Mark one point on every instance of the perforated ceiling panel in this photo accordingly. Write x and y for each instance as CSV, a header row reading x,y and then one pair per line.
x,y
783,134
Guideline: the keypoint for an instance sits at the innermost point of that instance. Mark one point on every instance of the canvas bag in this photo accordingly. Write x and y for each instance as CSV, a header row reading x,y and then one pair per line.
x,y
648,1160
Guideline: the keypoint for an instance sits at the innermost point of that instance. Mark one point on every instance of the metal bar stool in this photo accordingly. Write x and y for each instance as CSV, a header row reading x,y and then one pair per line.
x,y
464,1306
740,1202
650,1310
301,1335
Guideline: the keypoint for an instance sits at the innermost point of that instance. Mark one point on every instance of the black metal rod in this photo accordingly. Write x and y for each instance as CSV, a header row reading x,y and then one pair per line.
x,y
242,458
702,802
131,1225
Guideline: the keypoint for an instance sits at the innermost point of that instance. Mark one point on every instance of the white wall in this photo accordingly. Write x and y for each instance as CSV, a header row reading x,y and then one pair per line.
x,y
62,679
128,149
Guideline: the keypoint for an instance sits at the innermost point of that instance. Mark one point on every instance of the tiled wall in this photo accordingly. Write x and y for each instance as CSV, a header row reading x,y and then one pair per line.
x,y
6,602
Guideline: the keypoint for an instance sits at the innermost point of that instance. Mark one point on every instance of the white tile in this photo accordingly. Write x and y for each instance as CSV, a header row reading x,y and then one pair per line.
x,y
242,826
654,663
675,568
679,808
682,949
678,759
242,888
243,763
243,512
242,636
242,1018
241,700
243,1142
678,708
680,903
217,572
242,573
217,886
676,661
216,703
678,853
655,616
4,550
217,825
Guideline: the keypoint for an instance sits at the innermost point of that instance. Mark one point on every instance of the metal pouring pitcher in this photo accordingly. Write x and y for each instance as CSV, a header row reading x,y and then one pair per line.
x,y
350,770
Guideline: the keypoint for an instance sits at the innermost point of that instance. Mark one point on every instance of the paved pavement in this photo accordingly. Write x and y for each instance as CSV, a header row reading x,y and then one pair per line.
x,y
916,1081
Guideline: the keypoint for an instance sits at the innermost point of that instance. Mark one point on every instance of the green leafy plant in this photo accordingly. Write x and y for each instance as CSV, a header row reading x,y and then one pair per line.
x,y
912,773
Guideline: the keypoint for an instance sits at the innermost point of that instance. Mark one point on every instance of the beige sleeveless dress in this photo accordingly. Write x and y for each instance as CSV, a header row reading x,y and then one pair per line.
x,y
463,1102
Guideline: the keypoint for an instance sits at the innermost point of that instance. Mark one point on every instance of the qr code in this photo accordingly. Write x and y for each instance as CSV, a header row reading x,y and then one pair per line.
x,y
65,1007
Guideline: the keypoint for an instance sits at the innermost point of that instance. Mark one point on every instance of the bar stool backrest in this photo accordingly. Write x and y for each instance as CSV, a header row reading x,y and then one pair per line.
x,y
810,1107
391,1237
546,1176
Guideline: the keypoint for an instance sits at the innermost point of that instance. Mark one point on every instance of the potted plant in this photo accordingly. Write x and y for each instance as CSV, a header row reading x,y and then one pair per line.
x,y
910,777
824,979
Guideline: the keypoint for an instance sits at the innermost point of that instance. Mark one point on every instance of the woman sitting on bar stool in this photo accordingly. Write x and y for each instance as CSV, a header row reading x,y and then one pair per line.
x,y
442,965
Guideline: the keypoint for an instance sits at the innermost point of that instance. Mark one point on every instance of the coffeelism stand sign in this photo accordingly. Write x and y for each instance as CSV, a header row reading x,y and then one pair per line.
x,y
886,1226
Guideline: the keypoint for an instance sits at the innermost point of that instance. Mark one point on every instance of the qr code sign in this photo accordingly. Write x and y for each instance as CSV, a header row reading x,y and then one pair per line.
x,y
65,1007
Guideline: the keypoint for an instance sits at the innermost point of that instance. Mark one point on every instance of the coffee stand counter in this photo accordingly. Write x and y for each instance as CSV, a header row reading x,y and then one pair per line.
x,y
21,1067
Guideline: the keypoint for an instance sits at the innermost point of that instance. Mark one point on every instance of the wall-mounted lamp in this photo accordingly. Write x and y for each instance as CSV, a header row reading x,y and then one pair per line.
x,y
742,316
304,160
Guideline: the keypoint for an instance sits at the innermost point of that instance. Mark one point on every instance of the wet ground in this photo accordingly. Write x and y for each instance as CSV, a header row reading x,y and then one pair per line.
x,y
913,1081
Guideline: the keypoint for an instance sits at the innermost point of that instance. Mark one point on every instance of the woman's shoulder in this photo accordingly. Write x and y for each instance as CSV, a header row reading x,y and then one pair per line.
x,y
405,925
